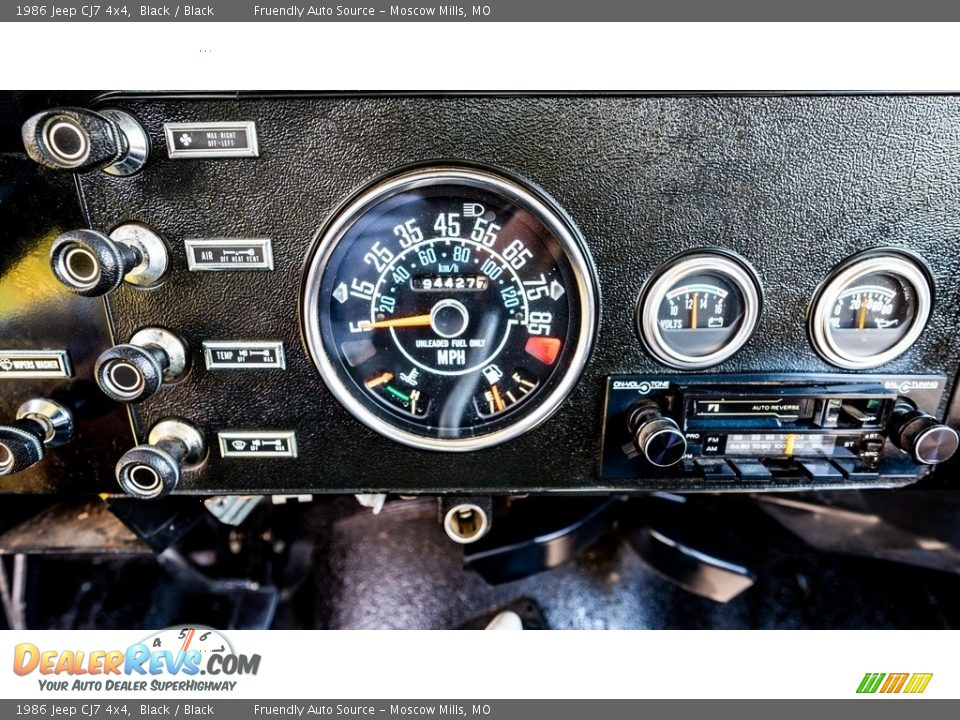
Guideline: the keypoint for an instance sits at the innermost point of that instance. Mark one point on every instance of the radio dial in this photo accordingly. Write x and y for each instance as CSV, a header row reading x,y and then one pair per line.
x,y
922,436
656,436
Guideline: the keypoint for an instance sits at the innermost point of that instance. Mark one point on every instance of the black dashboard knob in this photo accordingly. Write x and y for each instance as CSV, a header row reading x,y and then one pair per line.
x,y
656,436
90,263
133,372
130,373
79,140
153,470
40,424
927,440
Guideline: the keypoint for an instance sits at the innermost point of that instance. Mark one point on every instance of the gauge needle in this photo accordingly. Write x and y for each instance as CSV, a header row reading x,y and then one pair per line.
x,y
497,400
862,317
693,313
412,321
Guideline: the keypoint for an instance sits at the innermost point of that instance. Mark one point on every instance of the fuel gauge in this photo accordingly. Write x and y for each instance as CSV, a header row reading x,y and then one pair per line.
x,y
871,309
700,310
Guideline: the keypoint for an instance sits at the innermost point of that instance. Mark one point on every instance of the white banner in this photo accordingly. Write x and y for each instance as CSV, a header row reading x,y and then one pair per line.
x,y
202,663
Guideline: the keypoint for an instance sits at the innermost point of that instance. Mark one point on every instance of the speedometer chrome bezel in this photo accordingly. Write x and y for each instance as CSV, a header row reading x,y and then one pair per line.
x,y
530,199
698,261
880,260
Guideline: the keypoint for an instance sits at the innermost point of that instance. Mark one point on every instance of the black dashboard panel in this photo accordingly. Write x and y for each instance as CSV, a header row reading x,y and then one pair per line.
x,y
792,184
36,312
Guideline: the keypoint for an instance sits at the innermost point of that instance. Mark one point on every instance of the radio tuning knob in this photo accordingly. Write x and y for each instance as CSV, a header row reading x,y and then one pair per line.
x,y
927,440
153,470
79,140
134,371
89,263
40,424
656,436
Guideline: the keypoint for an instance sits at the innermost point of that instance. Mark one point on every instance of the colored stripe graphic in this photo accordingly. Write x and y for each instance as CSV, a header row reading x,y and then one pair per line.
x,y
918,682
871,682
894,683
913,683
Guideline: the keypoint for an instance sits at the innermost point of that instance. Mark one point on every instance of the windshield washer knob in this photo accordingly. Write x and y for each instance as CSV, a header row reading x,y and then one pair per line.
x,y
154,470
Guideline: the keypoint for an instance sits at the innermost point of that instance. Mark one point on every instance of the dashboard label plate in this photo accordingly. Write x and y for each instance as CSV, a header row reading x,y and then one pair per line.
x,y
243,355
217,254
200,140
257,443
34,364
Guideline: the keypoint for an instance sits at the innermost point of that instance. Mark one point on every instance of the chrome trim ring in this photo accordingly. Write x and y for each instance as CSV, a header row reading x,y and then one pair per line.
x,y
552,218
191,438
138,144
56,419
155,258
178,358
890,264
706,261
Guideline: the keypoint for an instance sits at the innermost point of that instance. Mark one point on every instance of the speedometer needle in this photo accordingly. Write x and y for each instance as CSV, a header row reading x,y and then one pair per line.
x,y
412,321
862,319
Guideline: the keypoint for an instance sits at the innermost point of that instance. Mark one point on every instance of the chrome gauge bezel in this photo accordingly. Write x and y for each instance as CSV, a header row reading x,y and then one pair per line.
x,y
737,270
529,199
891,262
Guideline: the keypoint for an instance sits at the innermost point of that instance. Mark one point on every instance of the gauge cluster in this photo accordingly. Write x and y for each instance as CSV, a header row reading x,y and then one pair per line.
x,y
507,294
702,307
450,308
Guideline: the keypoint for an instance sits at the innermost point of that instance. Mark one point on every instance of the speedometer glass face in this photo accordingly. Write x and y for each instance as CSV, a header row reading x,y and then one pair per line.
x,y
871,310
699,310
449,308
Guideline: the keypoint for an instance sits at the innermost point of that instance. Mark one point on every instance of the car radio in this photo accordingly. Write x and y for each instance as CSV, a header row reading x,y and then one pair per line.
x,y
727,431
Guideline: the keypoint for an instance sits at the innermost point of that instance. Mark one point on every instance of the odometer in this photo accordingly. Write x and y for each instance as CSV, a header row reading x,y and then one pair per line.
x,y
449,308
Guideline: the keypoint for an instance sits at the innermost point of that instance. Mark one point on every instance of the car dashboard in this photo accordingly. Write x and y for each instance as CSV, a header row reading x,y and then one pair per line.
x,y
489,294
487,301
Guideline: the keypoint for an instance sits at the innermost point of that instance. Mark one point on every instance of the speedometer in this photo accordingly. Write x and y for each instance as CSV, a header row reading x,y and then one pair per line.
x,y
449,308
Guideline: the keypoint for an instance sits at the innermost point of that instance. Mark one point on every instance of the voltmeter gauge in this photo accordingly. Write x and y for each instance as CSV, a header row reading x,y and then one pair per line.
x,y
699,309
871,309
450,308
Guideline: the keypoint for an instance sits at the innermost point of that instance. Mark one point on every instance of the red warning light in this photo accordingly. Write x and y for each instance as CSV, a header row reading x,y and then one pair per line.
x,y
544,349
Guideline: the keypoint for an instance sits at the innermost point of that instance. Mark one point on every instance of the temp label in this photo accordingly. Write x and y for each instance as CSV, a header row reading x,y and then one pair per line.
x,y
243,355
34,364
229,254
211,140
257,444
